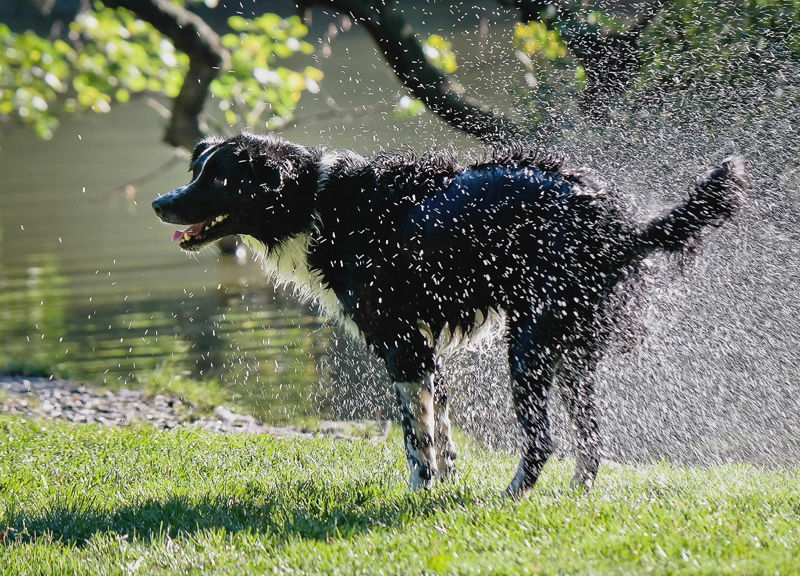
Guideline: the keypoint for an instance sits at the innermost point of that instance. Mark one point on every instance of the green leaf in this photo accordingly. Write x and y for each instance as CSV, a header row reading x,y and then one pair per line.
x,y
439,52
408,107
112,54
238,23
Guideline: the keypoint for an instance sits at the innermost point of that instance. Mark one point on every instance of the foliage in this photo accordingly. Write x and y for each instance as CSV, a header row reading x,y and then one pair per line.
x,y
33,73
536,40
546,56
697,42
109,55
439,52
106,56
95,500
698,47
408,107
552,71
254,84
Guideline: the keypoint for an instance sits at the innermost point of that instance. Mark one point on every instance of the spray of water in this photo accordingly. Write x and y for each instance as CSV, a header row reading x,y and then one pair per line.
x,y
716,373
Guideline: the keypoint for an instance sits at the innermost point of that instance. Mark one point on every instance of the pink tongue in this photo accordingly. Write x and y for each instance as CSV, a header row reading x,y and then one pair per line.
x,y
192,230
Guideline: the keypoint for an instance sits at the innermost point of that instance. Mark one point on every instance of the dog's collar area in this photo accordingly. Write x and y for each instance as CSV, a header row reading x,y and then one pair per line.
x,y
198,233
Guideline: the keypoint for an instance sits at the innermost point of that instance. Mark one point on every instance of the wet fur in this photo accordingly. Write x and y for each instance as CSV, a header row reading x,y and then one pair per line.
x,y
418,254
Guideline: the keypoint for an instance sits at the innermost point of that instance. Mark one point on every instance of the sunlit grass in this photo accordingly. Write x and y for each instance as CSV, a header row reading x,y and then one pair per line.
x,y
205,395
93,500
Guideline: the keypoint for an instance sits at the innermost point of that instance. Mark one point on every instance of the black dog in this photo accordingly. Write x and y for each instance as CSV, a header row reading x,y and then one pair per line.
x,y
415,255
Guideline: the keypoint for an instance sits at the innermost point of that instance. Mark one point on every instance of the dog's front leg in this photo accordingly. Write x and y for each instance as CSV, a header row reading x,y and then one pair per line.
x,y
445,447
416,401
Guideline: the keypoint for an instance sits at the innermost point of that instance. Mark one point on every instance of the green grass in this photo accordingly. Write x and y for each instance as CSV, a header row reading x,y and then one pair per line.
x,y
92,500
205,395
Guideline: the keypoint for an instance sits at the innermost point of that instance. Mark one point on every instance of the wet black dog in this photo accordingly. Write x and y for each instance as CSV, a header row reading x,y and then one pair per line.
x,y
416,255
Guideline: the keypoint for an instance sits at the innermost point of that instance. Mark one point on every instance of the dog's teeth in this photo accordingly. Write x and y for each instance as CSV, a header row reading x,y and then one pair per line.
x,y
186,236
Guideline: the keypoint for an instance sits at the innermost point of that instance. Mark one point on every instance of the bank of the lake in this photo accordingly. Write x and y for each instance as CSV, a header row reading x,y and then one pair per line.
x,y
81,403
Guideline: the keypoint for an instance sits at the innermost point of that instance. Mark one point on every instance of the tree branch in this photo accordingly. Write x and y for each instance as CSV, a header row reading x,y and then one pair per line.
x,y
395,39
207,58
611,59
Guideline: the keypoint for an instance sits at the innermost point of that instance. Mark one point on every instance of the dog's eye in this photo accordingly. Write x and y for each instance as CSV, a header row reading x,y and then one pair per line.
x,y
220,181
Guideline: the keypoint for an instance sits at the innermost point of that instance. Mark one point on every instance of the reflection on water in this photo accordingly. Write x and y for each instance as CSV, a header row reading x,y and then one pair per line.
x,y
270,349
32,316
257,340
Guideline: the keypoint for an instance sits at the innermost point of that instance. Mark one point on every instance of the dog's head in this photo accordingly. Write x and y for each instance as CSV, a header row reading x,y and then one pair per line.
x,y
259,186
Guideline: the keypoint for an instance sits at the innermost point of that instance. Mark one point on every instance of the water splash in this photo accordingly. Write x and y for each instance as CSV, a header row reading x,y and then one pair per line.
x,y
716,374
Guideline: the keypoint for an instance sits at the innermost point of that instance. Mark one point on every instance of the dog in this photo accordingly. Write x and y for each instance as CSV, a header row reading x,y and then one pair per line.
x,y
417,255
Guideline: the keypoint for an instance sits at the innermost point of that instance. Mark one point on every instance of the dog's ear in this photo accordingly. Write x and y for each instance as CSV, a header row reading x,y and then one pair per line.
x,y
204,145
267,175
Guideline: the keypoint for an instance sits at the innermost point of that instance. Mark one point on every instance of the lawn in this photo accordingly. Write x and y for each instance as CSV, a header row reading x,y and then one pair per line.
x,y
83,499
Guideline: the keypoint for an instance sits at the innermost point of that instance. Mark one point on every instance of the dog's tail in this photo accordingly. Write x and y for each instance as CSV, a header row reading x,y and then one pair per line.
x,y
715,197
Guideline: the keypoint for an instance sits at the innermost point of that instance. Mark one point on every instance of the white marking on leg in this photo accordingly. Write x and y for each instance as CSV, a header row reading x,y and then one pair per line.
x,y
416,405
445,447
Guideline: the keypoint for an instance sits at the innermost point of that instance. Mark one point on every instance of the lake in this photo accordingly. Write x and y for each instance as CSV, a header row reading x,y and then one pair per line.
x,y
90,283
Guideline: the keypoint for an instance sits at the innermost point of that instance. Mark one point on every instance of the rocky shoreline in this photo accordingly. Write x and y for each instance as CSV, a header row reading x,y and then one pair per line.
x,y
80,403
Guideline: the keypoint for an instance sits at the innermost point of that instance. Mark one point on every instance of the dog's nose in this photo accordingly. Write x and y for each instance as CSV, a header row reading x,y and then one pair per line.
x,y
163,206
158,206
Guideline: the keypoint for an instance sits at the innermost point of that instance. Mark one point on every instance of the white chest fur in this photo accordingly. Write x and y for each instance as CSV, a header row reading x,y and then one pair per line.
x,y
288,264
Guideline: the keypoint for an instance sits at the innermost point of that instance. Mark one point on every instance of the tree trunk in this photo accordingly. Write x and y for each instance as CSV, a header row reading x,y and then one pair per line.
x,y
207,59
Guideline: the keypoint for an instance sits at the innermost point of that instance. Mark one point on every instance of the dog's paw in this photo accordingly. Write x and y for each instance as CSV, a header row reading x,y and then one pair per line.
x,y
733,170
719,193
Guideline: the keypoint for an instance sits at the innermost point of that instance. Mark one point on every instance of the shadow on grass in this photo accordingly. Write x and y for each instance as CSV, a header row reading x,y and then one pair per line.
x,y
300,509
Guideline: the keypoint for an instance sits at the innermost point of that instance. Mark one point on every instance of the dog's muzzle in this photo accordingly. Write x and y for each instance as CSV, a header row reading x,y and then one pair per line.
x,y
165,207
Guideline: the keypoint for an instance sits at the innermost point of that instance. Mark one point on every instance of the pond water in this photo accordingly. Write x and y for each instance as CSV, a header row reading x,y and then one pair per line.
x,y
90,283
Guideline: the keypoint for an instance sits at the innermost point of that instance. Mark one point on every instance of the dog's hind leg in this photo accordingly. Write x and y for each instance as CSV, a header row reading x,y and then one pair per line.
x,y
416,401
534,357
443,440
577,384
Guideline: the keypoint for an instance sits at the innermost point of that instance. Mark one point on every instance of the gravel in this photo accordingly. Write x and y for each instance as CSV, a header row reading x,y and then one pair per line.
x,y
54,399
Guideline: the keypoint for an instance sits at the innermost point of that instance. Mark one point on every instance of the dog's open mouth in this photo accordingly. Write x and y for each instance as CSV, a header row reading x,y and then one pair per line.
x,y
198,234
